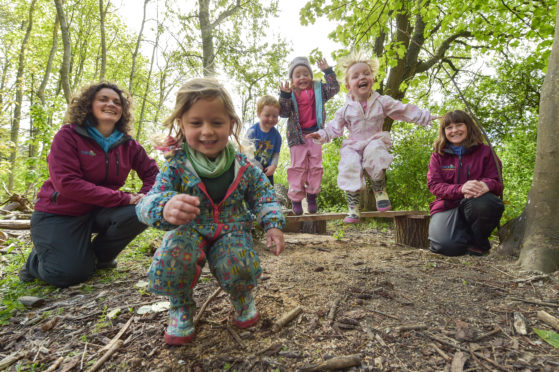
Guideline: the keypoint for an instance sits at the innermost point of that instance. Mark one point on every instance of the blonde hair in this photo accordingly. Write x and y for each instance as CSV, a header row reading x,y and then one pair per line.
x,y
266,101
198,89
356,57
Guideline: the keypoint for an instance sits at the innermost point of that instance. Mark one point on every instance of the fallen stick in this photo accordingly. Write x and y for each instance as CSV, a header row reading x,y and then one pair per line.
x,y
333,309
335,363
203,308
536,302
235,336
381,313
441,353
55,365
118,335
438,339
488,334
11,359
280,323
415,327
548,319
532,278
83,356
107,355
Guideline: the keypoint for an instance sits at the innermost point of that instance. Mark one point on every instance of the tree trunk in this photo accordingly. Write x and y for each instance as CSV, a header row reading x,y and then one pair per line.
x,y
65,68
540,243
135,54
144,99
14,130
103,44
46,76
208,56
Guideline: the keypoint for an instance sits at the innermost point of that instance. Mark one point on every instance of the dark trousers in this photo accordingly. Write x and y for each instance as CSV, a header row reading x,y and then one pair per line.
x,y
271,179
470,224
63,252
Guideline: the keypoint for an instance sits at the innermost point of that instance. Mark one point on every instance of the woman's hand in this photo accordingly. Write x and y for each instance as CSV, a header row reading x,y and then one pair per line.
x,y
474,189
275,236
322,64
181,208
136,197
284,87
269,171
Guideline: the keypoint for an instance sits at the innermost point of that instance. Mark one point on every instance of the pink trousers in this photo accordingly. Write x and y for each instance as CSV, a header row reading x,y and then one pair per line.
x,y
305,172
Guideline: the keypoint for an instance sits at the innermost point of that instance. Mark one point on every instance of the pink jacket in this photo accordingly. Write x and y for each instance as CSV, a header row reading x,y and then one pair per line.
x,y
364,126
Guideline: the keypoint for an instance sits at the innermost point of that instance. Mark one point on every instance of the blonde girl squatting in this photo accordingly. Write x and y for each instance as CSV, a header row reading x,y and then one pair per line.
x,y
205,197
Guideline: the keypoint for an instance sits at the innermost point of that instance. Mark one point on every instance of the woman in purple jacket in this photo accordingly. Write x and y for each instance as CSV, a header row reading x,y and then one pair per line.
x,y
89,161
464,178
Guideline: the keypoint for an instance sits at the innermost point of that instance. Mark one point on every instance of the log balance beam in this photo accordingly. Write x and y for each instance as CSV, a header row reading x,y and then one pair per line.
x,y
410,227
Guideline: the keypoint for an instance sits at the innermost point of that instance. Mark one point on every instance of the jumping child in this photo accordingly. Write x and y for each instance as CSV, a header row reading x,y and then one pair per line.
x,y
367,145
201,196
302,102
266,137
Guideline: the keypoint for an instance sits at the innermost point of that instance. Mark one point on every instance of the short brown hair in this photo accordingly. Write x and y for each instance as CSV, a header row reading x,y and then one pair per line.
x,y
473,137
80,109
266,101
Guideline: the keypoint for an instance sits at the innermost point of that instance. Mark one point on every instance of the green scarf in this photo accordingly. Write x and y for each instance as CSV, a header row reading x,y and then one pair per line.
x,y
205,167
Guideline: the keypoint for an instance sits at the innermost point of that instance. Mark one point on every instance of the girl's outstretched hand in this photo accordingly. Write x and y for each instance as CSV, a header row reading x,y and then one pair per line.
x,y
275,236
181,208
284,87
322,64
314,136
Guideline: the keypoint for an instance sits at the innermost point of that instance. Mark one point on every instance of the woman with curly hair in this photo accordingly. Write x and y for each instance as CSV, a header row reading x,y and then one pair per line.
x,y
89,161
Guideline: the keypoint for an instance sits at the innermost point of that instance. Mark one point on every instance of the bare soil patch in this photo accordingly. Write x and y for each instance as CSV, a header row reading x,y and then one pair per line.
x,y
391,307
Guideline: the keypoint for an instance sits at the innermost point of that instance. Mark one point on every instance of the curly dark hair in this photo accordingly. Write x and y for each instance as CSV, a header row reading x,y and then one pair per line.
x,y
473,136
80,108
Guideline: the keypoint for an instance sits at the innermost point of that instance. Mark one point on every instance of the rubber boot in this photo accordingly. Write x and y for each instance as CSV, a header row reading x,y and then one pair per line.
x,y
181,327
246,314
311,203
353,207
297,208
381,197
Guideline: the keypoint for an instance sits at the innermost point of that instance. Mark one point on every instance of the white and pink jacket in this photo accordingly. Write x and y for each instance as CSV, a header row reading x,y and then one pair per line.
x,y
367,145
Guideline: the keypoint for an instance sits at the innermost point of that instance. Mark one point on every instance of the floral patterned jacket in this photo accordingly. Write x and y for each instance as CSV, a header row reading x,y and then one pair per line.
x,y
249,195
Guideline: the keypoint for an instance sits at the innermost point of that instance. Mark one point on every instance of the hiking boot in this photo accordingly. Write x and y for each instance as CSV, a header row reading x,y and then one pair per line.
x,y
107,265
297,208
246,314
311,203
181,327
381,197
25,276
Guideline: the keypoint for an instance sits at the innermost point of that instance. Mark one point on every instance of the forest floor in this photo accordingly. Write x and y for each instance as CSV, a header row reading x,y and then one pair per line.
x,y
366,303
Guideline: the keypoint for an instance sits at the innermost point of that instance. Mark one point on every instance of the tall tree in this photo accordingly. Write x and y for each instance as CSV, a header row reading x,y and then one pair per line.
x,y
20,83
136,50
102,12
65,67
539,225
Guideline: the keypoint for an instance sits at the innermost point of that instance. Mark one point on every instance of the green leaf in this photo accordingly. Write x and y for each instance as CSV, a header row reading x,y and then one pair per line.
x,y
550,337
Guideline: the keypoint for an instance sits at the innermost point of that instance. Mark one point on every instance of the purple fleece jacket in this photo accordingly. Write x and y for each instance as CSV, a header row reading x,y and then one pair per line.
x,y
83,176
447,173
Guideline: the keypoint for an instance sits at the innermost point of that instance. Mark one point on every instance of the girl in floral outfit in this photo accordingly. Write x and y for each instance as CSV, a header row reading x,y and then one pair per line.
x,y
206,195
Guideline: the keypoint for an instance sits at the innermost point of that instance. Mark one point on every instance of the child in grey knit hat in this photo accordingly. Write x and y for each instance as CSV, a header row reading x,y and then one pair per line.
x,y
302,101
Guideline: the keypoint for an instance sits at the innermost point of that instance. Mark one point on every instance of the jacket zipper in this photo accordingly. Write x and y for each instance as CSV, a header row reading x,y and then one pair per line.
x,y
117,164
106,168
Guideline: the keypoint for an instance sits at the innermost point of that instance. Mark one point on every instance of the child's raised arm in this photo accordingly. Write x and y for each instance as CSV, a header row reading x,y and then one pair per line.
x,y
322,64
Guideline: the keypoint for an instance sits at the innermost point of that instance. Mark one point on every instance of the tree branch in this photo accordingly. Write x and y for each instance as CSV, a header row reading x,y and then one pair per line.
x,y
439,55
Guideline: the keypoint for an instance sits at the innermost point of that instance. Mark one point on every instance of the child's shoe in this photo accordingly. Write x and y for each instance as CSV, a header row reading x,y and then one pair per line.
x,y
297,208
246,314
353,207
181,328
381,197
311,203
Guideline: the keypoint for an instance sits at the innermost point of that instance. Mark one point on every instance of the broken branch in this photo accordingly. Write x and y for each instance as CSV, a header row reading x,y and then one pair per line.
x,y
286,319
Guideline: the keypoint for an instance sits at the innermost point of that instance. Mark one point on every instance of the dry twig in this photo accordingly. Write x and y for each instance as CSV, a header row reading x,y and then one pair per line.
x,y
105,357
280,323
205,305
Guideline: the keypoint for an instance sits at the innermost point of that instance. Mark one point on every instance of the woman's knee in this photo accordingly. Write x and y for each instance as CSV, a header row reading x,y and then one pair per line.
x,y
68,275
487,205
